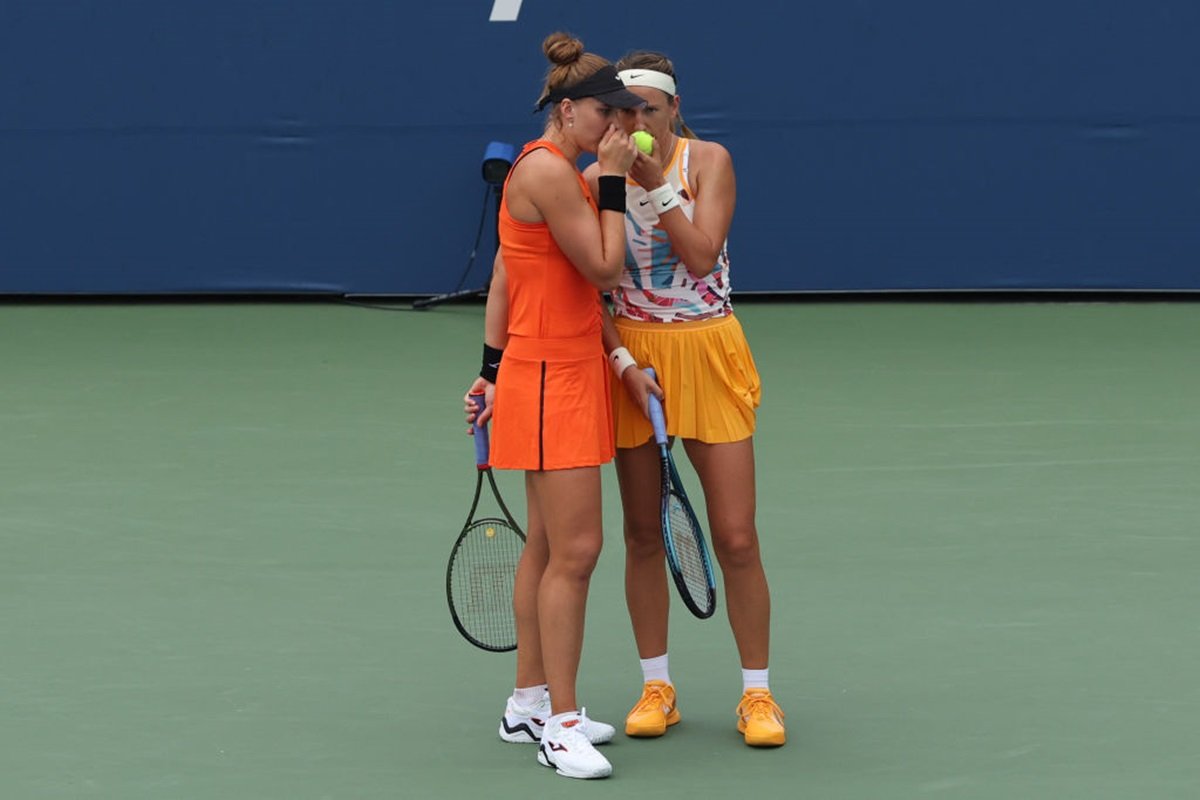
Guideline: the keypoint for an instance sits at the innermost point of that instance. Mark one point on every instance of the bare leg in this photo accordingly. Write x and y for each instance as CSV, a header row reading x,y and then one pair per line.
x,y
727,474
646,591
569,506
529,576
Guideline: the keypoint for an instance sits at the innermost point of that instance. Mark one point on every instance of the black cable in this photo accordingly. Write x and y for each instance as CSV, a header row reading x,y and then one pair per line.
x,y
458,290
420,305
478,236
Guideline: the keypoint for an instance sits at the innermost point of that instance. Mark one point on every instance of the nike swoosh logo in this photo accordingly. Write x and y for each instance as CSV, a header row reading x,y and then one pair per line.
x,y
643,202
634,75
666,203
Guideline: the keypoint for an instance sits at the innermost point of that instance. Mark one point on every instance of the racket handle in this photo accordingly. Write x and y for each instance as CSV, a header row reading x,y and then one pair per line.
x,y
481,432
656,413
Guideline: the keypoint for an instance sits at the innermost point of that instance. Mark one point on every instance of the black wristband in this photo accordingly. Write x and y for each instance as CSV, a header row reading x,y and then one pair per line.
x,y
491,362
612,193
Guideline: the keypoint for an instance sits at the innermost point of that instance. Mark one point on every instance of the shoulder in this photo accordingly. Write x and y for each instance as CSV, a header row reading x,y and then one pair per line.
x,y
542,164
710,168
709,154
542,173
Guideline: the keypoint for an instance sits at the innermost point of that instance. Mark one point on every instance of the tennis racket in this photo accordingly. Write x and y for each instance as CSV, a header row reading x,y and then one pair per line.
x,y
683,538
483,564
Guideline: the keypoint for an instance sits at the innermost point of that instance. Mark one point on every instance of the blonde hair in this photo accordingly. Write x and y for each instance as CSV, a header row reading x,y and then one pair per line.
x,y
569,65
648,59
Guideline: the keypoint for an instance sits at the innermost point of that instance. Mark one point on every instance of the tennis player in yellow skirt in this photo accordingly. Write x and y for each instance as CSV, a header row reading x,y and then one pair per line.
x,y
672,311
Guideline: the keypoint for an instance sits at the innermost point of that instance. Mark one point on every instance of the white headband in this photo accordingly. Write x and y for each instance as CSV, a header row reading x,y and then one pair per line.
x,y
648,77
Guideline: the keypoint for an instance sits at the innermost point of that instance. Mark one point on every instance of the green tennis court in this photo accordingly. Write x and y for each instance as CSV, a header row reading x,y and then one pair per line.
x,y
223,533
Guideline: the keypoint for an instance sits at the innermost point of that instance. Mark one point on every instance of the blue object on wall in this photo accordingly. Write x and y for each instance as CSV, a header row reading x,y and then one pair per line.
x,y
497,160
305,146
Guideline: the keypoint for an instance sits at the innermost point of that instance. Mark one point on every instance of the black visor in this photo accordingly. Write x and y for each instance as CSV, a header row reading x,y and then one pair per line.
x,y
603,84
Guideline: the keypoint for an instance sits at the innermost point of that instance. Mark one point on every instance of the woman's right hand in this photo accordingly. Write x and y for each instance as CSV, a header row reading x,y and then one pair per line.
x,y
616,152
489,396
640,386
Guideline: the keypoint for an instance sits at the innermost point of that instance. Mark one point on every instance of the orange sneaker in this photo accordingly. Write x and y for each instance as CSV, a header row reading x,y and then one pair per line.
x,y
654,712
761,719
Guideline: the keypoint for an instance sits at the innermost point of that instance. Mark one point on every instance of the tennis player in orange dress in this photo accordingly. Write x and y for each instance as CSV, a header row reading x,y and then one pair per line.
x,y
549,396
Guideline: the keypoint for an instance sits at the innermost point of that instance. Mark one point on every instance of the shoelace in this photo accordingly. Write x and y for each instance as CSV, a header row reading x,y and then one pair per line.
x,y
574,735
759,706
653,698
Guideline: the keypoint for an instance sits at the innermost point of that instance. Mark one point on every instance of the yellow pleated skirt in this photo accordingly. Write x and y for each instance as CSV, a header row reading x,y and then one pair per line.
x,y
707,373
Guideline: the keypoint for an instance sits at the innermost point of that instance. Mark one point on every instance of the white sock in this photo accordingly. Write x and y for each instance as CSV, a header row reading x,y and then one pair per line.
x,y
530,695
754,679
655,669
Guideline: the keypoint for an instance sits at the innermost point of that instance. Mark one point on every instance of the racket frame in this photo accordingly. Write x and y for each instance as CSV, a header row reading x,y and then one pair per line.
x,y
482,468
673,485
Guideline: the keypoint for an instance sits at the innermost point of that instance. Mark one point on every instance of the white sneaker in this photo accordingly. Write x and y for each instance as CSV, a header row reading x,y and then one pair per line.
x,y
566,748
597,732
521,725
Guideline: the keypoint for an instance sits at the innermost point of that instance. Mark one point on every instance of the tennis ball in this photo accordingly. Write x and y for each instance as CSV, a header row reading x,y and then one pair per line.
x,y
490,532
644,141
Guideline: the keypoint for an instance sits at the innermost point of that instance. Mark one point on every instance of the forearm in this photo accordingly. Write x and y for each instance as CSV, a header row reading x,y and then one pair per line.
x,y
612,231
698,238
619,358
690,243
608,331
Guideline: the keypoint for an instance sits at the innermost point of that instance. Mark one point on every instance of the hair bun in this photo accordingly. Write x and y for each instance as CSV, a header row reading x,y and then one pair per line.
x,y
562,49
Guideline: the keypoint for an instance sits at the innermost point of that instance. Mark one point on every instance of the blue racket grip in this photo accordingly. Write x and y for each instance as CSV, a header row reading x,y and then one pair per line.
x,y
656,412
481,433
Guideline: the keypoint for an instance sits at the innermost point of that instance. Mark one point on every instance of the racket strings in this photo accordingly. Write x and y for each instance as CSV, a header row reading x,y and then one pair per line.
x,y
685,536
482,580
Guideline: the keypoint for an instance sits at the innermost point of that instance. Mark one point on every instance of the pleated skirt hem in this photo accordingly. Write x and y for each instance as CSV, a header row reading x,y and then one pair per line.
x,y
708,376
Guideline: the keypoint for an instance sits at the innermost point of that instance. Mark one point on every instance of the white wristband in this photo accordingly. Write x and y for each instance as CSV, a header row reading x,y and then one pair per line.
x,y
663,199
620,360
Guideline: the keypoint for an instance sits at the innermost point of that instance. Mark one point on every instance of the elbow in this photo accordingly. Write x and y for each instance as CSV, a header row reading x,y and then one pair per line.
x,y
709,261
607,279
704,270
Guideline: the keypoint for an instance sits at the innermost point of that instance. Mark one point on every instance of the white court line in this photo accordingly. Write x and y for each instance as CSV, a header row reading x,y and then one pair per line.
x,y
505,11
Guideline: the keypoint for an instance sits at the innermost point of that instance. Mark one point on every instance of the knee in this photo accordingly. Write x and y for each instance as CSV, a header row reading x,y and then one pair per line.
x,y
578,559
736,548
643,539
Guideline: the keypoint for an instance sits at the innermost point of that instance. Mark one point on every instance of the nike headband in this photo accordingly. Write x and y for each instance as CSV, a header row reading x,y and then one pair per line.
x,y
648,77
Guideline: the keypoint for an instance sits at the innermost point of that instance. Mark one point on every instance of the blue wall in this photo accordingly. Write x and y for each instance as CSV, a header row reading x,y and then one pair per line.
x,y
322,146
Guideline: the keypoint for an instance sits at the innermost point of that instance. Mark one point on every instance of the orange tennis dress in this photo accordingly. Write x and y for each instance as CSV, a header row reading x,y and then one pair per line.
x,y
552,393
